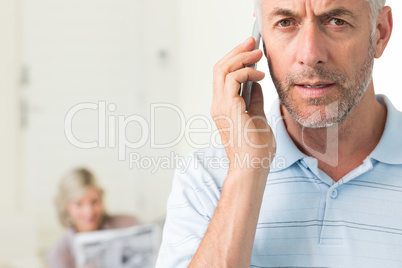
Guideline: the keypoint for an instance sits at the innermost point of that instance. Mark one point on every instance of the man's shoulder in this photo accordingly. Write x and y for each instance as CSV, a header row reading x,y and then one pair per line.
x,y
211,160
389,148
203,170
201,155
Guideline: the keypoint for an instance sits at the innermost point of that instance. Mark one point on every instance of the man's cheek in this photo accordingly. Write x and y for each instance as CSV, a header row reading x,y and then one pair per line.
x,y
280,65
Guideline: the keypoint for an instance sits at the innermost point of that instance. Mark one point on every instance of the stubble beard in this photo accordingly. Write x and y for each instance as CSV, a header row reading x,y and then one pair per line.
x,y
350,92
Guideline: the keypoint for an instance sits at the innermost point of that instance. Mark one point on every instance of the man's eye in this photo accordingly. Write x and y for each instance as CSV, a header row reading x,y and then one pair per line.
x,y
337,22
285,23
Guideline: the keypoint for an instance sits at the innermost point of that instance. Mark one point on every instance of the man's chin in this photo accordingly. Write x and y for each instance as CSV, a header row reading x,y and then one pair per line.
x,y
317,125
317,101
315,115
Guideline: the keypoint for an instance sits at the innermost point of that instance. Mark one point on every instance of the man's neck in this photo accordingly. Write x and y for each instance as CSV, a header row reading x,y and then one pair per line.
x,y
341,148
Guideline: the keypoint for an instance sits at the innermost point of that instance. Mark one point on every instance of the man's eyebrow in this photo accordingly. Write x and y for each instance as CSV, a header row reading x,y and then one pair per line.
x,y
282,12
340,11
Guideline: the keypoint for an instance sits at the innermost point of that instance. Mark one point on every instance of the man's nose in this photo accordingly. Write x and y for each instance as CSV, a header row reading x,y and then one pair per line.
x,y
311,47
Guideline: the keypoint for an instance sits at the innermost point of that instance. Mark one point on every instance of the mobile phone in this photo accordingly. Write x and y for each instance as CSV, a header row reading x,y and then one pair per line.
x,y
247,87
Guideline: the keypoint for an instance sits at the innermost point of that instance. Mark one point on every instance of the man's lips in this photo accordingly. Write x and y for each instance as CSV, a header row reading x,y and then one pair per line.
x,y
314,84
314,90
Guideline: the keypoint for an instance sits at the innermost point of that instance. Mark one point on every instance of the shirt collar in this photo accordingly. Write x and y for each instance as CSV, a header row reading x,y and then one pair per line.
x,y
389,149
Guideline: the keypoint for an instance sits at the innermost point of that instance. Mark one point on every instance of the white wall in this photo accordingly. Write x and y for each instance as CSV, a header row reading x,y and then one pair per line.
x,y
9,107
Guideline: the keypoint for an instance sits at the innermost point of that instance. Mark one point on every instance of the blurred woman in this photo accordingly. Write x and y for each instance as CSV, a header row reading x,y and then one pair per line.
x,y
79,204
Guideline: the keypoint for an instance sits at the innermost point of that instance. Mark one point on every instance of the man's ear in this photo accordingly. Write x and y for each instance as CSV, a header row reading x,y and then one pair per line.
x,y
383,30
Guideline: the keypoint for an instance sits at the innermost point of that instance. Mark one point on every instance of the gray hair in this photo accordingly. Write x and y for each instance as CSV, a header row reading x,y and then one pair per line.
x,y
375,8
71,187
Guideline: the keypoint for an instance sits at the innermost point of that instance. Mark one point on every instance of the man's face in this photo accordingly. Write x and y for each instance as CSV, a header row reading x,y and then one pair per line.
x,y
320,56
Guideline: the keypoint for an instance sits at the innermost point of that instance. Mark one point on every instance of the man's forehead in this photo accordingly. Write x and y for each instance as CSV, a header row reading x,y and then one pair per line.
x,y
316,6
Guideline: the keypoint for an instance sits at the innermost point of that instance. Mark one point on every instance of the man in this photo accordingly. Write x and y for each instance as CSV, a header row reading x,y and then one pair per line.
x,y
331,193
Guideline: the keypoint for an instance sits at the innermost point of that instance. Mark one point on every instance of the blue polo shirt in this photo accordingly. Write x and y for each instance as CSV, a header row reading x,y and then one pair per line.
x,y
306,219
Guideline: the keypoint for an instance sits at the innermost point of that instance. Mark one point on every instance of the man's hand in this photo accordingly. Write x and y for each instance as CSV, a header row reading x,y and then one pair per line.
x,y
250,147
244,135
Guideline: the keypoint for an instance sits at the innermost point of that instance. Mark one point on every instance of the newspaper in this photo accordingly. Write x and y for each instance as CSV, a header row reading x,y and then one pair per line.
x,y
131,247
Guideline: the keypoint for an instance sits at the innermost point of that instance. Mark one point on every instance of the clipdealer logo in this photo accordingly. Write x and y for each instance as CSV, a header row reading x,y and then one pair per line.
x,y
111,133
112,129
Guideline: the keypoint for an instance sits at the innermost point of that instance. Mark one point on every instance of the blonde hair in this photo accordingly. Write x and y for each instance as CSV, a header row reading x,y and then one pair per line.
x,y
71,187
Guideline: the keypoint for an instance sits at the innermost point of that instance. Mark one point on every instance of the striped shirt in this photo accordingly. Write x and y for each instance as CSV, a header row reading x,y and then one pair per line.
x,y
306,219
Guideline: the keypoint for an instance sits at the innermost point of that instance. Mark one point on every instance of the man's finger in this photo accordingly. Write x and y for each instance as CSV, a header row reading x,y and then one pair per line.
x,y
247,45
243,60
221,69
235,79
